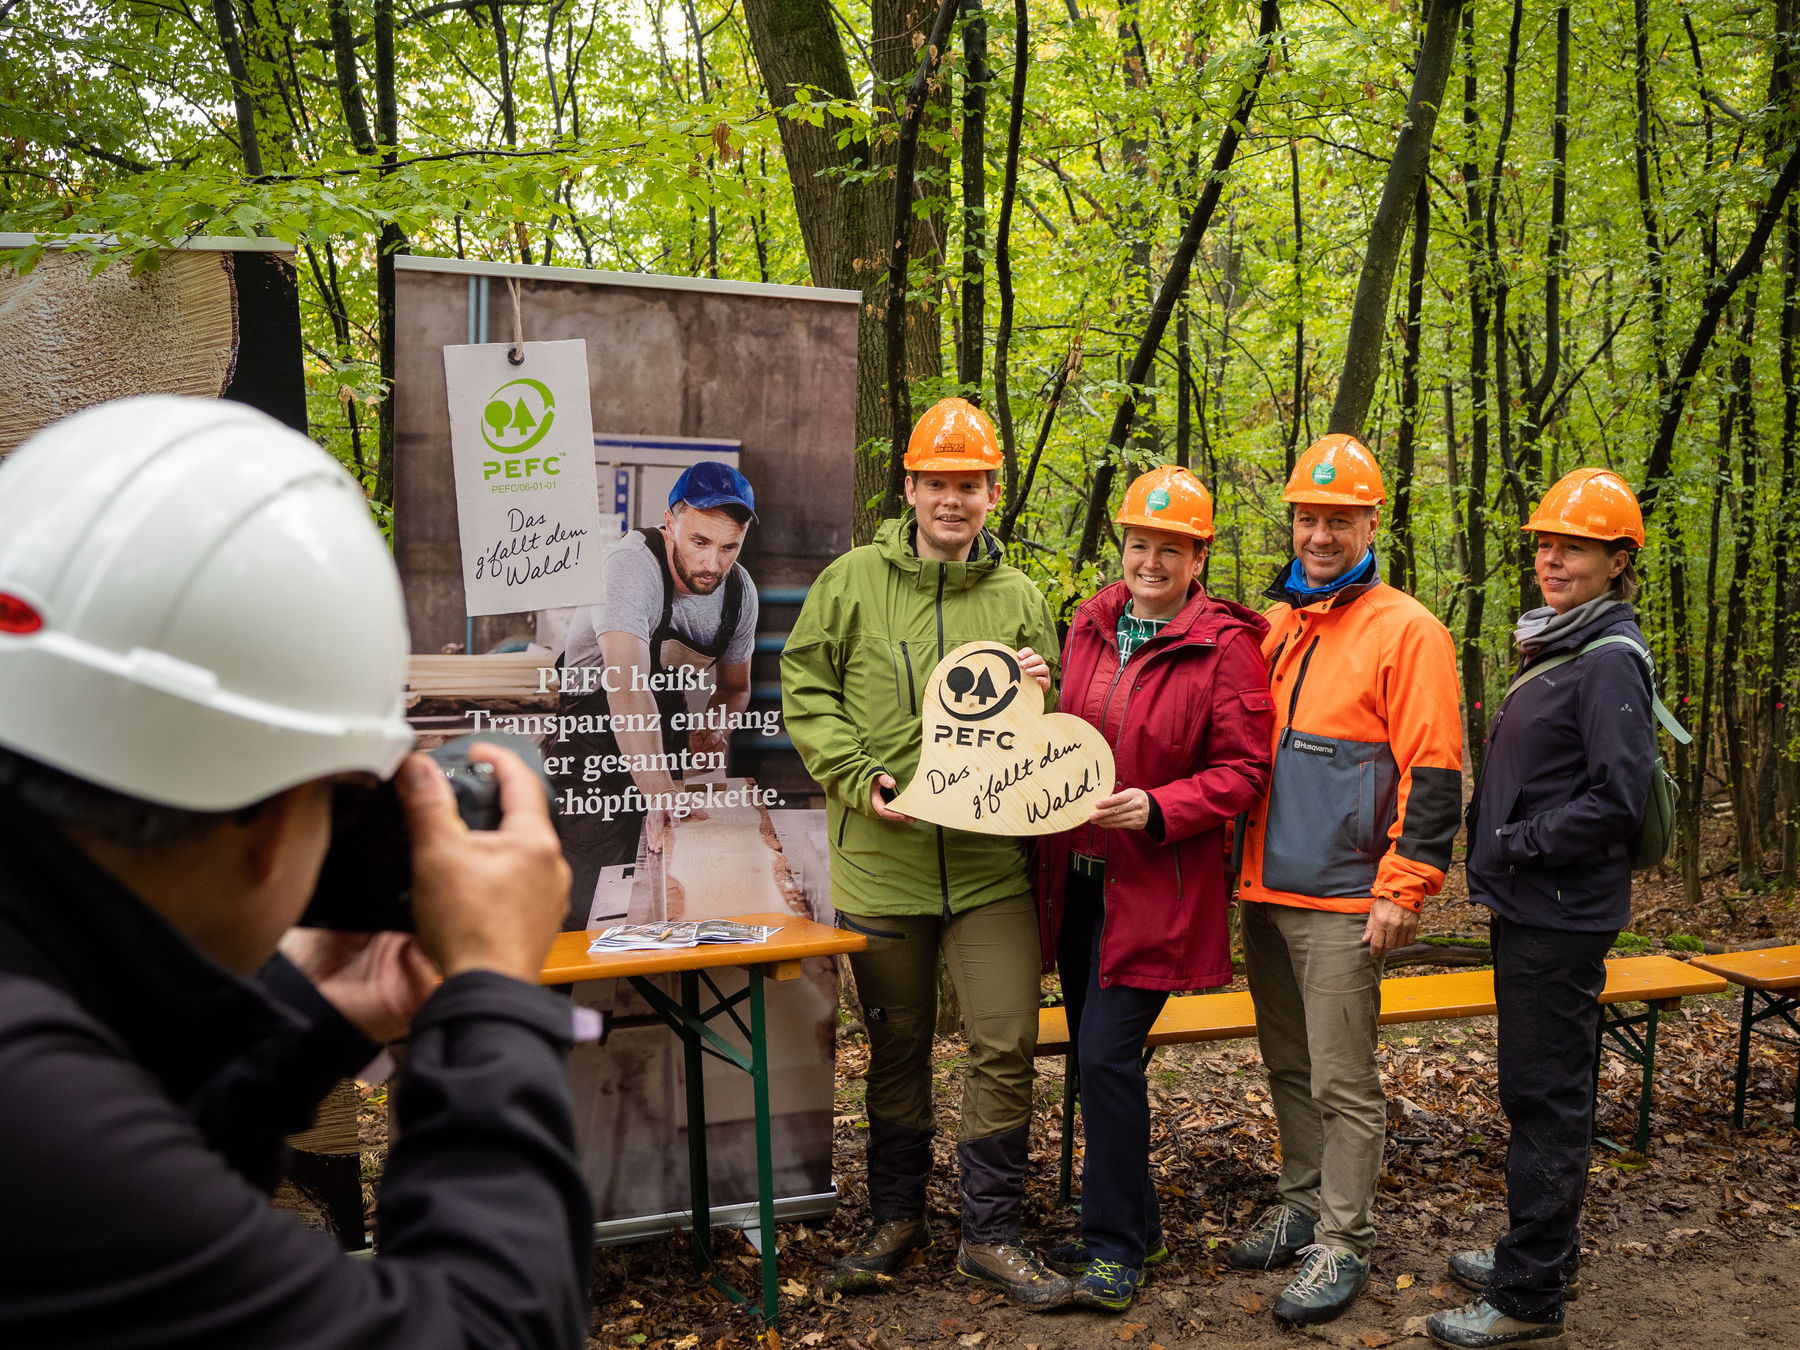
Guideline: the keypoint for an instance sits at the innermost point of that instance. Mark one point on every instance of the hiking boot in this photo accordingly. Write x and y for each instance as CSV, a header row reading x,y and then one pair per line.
x,y
1279,1236
1475,1270
1071,1258
1108,1285
1015,1271
1329,1278
876,1256
1480,1326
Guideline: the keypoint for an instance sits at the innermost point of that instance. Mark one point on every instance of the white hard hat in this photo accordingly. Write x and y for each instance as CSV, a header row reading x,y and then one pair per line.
x,y
195,608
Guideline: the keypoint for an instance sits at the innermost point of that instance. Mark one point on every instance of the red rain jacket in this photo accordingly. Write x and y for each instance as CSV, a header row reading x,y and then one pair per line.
x,y
1189,720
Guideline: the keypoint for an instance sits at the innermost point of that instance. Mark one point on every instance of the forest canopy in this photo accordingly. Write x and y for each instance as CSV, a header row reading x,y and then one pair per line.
x,y
1497,238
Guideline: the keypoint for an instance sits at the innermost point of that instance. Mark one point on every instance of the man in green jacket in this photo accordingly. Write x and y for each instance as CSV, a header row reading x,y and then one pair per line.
x,y
874,626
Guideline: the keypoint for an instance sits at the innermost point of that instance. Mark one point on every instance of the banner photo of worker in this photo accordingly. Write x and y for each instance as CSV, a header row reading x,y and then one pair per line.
x,y
699,435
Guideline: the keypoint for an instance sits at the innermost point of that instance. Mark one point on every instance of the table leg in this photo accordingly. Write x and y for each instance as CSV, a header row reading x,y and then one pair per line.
x,y
695,1069
1643,1130
1743,1063
765,1161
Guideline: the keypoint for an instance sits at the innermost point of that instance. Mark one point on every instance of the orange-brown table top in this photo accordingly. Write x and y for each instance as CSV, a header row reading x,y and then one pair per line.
x,y
799,938
1771,968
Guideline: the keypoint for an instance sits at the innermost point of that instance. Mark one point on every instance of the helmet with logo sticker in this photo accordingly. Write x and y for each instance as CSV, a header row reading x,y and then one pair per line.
x,y
1168,498
1336,470
953,435
1591,503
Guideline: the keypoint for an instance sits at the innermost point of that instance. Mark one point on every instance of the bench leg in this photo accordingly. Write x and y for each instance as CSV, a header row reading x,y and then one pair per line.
x,y
1640,1050
1743,1060
1071,1089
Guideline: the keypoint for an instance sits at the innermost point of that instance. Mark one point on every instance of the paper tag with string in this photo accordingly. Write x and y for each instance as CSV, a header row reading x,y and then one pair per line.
x,y
527,503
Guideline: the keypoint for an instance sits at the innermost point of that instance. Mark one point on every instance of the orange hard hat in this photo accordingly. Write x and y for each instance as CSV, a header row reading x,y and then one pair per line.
x,y
953,434
1591,503
1169,498
1336,470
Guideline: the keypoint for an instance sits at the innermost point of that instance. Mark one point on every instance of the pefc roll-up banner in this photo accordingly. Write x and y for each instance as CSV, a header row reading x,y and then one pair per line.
x,y
603,548
523,444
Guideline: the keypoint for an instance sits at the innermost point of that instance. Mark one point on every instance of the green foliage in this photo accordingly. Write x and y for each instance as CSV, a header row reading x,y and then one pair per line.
x,y
642,139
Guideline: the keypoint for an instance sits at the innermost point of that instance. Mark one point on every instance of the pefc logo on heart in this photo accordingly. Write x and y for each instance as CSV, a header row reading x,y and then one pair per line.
x,y
517,417
992,760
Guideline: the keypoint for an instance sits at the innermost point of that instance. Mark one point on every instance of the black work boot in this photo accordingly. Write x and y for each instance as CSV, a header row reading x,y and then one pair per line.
x,y
899,1164
1475,1270
993,1192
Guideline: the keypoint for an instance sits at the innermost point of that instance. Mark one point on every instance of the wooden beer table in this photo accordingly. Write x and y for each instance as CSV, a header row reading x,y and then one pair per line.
x,y
1771,982
777,958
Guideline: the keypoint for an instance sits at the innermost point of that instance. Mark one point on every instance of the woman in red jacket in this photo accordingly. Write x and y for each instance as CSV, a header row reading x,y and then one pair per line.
x,y
1131,905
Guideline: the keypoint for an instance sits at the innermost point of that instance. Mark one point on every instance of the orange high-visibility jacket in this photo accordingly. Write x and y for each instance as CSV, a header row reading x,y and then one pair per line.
x,y
1366,787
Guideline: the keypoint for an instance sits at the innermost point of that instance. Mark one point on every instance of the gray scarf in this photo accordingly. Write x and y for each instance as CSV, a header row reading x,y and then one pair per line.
x,y
1544,627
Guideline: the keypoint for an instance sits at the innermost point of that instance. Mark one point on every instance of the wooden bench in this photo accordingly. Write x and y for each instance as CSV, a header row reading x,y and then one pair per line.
x,y
1771,982
1657,982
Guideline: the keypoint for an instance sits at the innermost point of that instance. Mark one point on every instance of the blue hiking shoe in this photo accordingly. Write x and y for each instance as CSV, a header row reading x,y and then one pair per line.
x,y
1280,1235
1107,1285
1071,1258
1329,1278
1482,1326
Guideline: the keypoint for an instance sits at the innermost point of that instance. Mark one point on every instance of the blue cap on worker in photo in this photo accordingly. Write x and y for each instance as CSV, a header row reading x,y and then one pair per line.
x,y
710,483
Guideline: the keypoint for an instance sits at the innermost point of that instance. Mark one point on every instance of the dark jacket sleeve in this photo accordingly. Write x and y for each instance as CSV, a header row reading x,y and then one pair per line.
x,y
125,1229
249,1107
1619,733
1235,771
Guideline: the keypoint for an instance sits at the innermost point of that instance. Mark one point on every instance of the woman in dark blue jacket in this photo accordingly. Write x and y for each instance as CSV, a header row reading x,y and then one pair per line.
x,y
1563,787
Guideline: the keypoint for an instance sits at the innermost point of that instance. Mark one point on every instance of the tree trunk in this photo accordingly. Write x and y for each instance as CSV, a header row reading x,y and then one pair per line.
x,y
1174,284
899,388
972,349
248,144
1009,189
1732,698
1299,399
1688,807
1412,151
1474,496
387,116
844,221
1403,561
1785,648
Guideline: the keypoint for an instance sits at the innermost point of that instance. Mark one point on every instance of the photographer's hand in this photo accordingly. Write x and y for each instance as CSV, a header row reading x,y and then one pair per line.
x,y
376,980
484,899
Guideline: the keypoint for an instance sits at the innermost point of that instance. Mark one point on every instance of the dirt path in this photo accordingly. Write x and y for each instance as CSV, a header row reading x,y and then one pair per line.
x,y
1695,1247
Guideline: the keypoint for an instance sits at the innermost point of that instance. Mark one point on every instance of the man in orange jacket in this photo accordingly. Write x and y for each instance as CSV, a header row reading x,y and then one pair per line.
x,y
1363,804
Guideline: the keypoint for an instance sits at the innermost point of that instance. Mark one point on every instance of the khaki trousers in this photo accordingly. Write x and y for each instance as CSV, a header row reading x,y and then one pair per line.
x,y
1318,996
993,957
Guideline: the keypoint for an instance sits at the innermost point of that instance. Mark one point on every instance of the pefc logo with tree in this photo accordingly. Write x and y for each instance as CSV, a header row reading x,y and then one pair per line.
x,y
518,415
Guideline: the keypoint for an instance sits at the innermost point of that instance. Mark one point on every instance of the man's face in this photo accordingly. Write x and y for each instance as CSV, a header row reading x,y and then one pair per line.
x,y
951,506
703,544
1330,540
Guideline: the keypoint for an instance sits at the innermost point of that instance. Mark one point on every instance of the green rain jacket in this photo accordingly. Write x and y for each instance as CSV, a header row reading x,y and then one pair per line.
x,y
874,626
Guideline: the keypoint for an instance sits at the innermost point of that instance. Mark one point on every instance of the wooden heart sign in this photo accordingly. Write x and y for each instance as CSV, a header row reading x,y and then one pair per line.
x,y
993,761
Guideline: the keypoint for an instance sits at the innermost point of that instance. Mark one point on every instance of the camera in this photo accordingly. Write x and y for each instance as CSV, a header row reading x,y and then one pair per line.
x,y
365,885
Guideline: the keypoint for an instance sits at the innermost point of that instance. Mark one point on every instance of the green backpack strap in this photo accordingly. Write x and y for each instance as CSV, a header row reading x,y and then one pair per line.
x,y
1663,715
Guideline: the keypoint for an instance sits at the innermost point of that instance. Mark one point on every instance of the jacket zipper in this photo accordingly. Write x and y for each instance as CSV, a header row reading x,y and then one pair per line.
x,y
943,866
912,702
1294,697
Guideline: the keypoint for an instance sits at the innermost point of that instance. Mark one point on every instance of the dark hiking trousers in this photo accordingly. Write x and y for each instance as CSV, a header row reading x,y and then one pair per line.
x,y
1107,1026
1547,985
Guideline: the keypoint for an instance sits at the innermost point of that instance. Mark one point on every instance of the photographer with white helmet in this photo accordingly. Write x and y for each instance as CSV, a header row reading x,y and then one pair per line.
x,y
202,656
